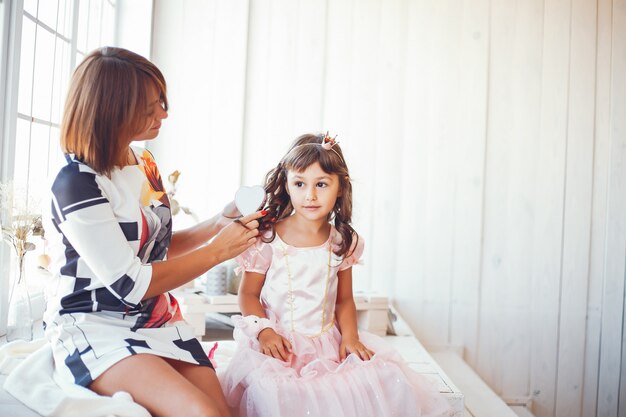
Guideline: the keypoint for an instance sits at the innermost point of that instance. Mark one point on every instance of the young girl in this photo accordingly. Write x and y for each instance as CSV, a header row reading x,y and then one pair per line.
x,y
299,352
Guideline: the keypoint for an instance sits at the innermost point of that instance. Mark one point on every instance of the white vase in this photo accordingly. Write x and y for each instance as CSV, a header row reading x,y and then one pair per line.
x,y
20,314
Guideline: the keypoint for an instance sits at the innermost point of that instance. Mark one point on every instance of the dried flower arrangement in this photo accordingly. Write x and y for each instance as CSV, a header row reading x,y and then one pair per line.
x,y
175,206
20,219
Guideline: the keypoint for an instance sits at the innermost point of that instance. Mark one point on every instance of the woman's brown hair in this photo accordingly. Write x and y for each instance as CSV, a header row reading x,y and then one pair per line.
x,y
305,151
107,104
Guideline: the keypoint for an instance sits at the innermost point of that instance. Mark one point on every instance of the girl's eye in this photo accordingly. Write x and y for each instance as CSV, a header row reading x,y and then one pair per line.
x,y
322,184
298,183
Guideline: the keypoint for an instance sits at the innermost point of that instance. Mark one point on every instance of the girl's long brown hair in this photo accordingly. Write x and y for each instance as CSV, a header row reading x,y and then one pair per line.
x,y
305,151
107,104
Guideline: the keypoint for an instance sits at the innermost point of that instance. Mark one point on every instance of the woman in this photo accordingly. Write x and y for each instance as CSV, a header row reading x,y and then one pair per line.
x,y
112,324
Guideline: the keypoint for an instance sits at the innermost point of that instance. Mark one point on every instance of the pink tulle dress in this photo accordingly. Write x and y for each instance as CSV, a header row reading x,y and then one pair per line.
x,y
298,296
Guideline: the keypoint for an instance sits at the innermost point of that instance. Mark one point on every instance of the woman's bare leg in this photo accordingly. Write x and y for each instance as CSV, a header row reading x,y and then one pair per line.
x,y
157,386
205,379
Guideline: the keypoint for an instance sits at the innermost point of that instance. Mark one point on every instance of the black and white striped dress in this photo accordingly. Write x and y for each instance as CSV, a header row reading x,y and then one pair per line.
x,y
103,234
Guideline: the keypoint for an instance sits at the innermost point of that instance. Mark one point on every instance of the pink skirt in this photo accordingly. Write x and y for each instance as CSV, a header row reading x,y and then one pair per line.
x,y
315,383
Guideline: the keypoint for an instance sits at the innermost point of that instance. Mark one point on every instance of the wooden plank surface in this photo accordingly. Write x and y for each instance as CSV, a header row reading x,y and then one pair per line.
x,y
201,47
577,209
546,256
510,202
409,294
601,167
390,70
521,411
616,234
480,400
364,31
470,177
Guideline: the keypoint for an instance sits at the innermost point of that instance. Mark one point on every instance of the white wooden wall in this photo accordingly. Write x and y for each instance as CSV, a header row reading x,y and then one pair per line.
x,y
487,142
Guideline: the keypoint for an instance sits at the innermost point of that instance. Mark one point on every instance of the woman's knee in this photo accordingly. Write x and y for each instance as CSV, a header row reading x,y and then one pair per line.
x,y
202,409
172,395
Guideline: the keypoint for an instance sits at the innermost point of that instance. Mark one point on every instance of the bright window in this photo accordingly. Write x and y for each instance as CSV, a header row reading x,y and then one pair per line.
x,y
44,42
55,36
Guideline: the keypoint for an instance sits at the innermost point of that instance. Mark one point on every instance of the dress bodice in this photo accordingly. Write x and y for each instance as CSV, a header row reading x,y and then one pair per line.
x,y
300,288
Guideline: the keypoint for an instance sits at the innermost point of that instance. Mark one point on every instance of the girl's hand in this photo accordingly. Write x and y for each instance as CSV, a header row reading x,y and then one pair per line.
x,y
354,345
274,345
237,236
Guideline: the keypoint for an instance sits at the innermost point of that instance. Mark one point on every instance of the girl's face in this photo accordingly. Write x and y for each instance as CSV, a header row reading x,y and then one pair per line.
x,y
313,192
154,114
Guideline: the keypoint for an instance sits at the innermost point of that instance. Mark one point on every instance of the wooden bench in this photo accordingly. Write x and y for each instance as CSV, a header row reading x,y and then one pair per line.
x,y
479,400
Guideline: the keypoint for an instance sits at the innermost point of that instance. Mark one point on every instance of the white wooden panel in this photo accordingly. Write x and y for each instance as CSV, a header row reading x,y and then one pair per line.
x,y
133,29
310,66
443,110
201,49
408,291
471,135
428,168
611,344
365,32
338,115
198,24
191,104
268,88
386,191
577,210
599,214
286,67
548,226
167,36
338,62
510,205
226,94
617,237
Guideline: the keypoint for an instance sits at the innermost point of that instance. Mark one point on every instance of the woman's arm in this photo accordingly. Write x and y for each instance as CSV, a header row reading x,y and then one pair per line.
x,y
345,312
229,242
184,241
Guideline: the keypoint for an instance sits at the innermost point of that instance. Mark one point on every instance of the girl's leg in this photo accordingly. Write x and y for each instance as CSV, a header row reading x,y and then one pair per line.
x,y
157,386
205,379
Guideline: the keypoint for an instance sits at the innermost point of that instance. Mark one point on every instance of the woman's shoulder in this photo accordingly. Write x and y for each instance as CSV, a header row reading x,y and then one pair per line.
x,y
74,174
76,186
